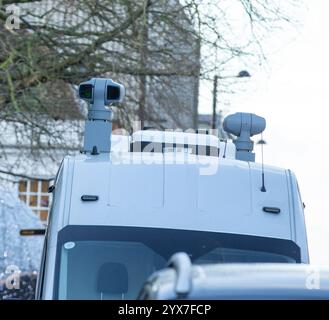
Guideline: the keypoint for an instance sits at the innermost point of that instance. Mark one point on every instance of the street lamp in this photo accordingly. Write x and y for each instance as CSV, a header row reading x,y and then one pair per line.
x,y
241,74
261,141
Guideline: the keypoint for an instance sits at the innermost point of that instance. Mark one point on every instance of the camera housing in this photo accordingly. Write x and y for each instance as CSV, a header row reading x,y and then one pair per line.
x,y
110,91
99,93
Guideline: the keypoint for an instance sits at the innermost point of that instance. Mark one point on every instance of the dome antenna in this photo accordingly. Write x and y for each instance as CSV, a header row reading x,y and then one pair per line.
x,y
243,126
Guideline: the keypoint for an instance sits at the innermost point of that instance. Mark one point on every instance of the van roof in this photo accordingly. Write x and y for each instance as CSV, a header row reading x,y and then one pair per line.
x,y
167,194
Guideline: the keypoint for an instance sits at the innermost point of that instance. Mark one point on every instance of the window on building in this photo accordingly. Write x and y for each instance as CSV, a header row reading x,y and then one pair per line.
x,y
35,194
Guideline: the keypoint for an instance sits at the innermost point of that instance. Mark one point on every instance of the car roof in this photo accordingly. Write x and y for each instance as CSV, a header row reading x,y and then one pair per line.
x,y
248,281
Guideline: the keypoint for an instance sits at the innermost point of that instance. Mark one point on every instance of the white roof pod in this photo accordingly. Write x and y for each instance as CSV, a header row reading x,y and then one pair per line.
x,y
169,141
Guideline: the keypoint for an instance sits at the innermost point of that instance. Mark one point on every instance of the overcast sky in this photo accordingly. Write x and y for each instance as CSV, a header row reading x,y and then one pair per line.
x,y
294,98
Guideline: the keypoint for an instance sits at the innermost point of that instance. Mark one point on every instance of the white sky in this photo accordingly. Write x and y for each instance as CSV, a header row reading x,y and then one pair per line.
x,y
294,99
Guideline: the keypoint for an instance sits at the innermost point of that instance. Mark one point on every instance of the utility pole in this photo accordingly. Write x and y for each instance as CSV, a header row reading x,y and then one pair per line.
x,y
143,62
241,74
214,104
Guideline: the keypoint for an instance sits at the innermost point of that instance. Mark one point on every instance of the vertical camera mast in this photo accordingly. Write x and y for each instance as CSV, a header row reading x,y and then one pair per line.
x,y
99,93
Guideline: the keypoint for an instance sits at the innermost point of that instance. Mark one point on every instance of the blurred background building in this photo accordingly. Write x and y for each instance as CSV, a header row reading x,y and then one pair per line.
x,y
159,101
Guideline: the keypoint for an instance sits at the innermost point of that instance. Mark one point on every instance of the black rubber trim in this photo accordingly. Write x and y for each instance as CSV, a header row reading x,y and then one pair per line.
x,y
273,210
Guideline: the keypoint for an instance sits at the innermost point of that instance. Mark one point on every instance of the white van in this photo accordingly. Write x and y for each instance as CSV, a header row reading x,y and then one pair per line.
x,y
119,212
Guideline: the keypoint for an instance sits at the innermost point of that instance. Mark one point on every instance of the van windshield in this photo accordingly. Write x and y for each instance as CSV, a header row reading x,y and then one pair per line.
x,y
96,262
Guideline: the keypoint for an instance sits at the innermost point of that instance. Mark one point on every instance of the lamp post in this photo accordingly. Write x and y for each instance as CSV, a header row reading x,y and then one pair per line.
x,y
241,74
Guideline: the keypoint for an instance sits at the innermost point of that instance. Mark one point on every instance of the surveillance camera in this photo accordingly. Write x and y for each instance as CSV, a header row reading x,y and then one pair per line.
x,y
99,90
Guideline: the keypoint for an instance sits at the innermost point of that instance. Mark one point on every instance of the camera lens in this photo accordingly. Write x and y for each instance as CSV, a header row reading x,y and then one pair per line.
x,y
113,92
86,91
